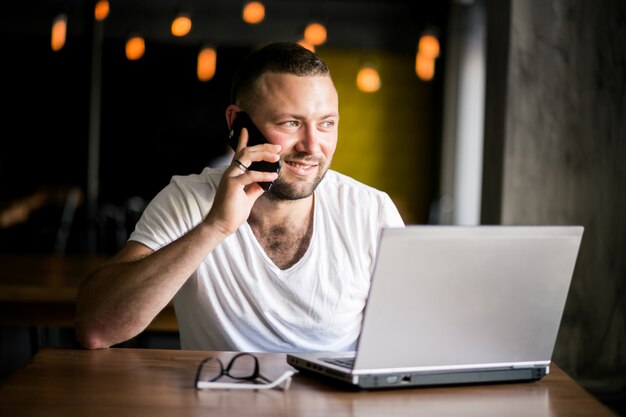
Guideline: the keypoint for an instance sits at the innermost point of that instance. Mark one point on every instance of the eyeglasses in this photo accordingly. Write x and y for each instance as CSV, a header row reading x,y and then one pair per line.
x,y
242,367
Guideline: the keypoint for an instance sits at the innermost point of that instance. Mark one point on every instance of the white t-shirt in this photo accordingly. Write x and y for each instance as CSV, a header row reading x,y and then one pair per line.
x,y
239,300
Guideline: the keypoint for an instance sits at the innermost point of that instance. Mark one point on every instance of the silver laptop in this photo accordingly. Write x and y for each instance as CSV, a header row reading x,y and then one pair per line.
x,y
458,305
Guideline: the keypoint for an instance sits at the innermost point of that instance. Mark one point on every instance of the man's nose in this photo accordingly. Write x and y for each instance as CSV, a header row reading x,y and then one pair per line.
x,y
309,141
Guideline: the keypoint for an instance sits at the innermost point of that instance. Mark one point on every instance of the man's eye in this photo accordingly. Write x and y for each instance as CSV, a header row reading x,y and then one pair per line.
x,y
328,124
290,123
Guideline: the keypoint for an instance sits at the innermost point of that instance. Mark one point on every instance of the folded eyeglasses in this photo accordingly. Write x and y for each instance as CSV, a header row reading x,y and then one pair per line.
x,y
242,367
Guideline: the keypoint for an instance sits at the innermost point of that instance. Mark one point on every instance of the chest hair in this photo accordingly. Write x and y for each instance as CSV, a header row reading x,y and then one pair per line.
x,y
285,244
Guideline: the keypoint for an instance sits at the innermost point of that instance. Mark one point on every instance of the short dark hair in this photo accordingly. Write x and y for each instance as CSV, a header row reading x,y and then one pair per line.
x,y
279,57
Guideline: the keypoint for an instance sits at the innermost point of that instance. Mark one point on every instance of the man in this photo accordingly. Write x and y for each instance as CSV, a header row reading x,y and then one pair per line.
x,y
249,270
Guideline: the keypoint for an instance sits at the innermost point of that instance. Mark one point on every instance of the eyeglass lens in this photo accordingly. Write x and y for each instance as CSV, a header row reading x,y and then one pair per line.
x,y
243,366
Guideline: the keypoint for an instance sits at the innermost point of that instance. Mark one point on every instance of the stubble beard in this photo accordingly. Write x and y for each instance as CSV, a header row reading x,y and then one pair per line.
x,y
283,190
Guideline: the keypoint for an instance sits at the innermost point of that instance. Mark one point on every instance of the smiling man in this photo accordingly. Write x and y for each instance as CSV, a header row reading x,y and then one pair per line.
x,y
252,270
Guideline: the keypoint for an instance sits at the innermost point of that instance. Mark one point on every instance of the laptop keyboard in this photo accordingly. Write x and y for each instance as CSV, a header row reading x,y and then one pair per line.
x,y
345,362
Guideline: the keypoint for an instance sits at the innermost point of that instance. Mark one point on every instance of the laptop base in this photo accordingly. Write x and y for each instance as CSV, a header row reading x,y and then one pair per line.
x,y
420,379
452,378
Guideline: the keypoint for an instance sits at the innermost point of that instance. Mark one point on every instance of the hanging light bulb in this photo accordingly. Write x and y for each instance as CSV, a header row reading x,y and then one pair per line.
x,y
253,12
315,33
368,79
135,47
427,52
181,25
428,46
101,11
207,62
424,67
59,32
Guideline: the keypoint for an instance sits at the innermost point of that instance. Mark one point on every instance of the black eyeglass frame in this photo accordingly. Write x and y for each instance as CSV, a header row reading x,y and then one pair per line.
x,y
225,371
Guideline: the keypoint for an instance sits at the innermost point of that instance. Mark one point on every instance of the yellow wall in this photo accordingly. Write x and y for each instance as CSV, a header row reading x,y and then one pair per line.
x,y
385,137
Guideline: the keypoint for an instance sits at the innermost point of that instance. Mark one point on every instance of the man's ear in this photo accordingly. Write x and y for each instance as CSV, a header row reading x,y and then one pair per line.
x,y
231,114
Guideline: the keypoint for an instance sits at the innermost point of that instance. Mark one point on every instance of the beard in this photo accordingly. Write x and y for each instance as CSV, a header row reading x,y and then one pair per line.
x,y
283,190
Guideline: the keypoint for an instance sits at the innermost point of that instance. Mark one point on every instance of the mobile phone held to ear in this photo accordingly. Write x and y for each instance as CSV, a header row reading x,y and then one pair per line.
x,y
255,137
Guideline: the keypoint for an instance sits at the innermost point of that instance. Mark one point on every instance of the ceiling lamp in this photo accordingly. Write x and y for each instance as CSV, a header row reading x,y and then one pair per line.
x,y
181,25
101,11
427,51
59,32
253,12
315,33
135,47
424,67
207,62
428,46
368,79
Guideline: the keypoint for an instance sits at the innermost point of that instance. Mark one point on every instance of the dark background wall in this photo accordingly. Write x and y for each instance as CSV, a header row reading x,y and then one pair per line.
x,y
555,148
154,113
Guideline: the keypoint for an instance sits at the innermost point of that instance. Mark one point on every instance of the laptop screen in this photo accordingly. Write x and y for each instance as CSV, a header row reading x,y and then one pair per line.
x,y
454,296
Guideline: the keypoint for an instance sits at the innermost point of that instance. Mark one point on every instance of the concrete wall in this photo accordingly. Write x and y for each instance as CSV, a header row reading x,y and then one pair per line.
x,y
555,154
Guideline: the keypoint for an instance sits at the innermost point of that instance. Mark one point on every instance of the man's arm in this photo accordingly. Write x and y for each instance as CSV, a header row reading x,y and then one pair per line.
x,y
120,299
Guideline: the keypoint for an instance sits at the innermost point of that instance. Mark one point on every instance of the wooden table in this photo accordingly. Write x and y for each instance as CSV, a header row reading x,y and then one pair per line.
x,y
151,382
40,290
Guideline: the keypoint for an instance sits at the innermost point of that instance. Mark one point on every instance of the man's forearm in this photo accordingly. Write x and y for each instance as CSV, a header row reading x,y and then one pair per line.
x,y
119,300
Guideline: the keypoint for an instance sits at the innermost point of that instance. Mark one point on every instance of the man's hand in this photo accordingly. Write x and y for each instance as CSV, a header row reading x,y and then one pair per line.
x,y
239,189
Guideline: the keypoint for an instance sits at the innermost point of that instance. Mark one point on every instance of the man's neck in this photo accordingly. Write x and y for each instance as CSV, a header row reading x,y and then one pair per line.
x,y
283,228
268,212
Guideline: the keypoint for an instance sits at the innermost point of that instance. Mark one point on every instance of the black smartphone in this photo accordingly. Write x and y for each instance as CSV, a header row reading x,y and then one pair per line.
x,y
255,137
